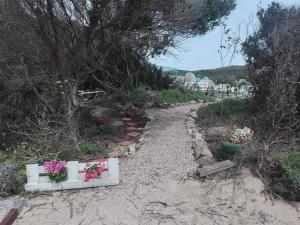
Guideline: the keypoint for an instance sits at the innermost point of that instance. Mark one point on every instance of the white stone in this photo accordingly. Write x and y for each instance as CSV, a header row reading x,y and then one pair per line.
x,y
132,148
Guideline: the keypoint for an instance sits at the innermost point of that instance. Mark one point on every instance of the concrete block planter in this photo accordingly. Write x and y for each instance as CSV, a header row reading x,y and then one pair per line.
x,y
75,180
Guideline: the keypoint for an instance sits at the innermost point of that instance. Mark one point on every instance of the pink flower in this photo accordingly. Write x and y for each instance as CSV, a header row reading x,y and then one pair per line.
x,y
96,172
54,166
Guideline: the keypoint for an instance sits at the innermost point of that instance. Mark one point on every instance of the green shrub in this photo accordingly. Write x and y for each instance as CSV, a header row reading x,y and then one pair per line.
x,y
90,148
86,148
287,187
10,179
290,162
105,129
286,182
226,109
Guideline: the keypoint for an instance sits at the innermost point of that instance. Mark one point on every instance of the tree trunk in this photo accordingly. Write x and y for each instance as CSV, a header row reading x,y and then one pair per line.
x,y
72,108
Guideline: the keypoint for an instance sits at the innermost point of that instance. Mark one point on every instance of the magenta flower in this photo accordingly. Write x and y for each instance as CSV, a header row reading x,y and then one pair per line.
x,y
54,166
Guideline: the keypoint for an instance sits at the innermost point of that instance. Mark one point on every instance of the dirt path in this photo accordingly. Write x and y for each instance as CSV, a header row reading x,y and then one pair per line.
x,y
155,189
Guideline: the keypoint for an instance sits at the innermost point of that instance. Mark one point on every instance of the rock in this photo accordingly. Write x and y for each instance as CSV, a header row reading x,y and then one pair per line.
x,y
125,143
200,148
194,115
216,132
193,102
190,126
114,154
205,160
116,123
148,105
191,131
134,134
100,111
132,148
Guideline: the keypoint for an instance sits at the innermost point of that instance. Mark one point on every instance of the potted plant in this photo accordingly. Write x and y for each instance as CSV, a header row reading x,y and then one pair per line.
x,y
56,170
236,140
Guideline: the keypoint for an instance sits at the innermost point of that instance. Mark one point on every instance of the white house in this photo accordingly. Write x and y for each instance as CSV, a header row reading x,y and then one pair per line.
x,y
222,87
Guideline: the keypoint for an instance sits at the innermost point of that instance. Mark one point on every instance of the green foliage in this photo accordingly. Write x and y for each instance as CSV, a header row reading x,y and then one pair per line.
x,y
153,77
86,148
58,177
226,109
142,95
290,162
105,129
92,168
286,181
90,148
287,187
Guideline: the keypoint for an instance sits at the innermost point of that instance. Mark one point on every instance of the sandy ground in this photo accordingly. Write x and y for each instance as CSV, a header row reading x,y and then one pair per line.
x,y
156,189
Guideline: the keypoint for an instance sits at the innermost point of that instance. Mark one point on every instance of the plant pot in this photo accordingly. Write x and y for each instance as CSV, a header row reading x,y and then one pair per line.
x,y
229,150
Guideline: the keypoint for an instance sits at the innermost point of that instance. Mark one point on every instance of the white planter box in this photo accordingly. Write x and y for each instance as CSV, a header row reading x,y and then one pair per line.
x,y
75,179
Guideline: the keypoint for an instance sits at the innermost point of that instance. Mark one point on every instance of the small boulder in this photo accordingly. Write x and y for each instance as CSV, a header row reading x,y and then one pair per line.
x,y
194,115
148,105
200,148
216,132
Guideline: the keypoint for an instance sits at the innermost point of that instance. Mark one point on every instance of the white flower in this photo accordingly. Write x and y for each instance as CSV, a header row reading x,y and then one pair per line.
x,y
241,136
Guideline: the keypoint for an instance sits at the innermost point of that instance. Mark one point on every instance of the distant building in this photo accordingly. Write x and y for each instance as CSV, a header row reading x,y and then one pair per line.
x,y
205,84
189,80
222,87
190,77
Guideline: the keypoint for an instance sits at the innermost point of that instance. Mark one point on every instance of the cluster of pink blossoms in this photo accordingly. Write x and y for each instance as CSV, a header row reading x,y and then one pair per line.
x,y
94,170
53,166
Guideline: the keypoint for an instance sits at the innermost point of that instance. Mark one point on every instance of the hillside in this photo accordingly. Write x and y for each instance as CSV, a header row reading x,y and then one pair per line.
x,y
232,72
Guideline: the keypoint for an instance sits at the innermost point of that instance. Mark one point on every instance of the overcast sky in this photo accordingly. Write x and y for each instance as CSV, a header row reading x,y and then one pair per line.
x,y
202,52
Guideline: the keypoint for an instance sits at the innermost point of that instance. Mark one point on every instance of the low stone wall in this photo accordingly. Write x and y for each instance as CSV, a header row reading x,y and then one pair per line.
x,y
201,152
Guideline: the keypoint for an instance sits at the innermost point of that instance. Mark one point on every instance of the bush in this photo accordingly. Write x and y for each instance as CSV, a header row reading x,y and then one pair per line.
x,y
89,148
10,179
138,96
290,162
285,178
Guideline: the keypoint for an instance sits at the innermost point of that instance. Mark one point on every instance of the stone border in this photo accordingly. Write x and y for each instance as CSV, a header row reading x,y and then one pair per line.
x,y
201,152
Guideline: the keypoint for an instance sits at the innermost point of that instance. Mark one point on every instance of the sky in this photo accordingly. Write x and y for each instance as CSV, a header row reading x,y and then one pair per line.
x,y
202,52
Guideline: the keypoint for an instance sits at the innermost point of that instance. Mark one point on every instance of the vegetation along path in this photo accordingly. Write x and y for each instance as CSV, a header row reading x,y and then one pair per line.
x,y
156,189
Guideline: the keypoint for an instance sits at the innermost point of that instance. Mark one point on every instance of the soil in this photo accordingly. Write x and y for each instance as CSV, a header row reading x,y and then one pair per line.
x,y
158,187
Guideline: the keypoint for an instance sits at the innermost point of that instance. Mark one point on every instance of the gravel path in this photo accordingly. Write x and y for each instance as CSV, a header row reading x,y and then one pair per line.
x,y
155,189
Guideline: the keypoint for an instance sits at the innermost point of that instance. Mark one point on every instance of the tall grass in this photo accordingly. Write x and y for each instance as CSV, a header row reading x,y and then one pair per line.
x,y
225,110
